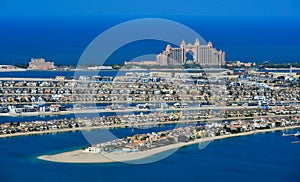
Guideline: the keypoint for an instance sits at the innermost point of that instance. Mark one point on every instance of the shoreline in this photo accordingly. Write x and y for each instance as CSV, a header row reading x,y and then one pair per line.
x,y
78,156
132,125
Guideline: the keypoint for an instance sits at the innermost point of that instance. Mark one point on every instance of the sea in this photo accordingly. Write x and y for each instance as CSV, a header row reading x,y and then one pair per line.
x,y
258,157
63,40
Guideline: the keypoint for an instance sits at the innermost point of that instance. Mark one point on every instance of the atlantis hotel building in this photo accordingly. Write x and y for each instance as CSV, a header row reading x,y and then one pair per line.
x,y
204,55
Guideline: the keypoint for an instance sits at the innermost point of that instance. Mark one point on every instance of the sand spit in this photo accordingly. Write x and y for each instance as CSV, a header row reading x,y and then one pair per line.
x,y
79,156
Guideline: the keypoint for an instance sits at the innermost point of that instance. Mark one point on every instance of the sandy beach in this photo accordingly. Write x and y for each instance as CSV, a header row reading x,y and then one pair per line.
x,y
79,156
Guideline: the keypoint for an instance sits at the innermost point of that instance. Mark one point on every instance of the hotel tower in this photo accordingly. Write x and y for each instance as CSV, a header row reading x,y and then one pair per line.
x,y
205,55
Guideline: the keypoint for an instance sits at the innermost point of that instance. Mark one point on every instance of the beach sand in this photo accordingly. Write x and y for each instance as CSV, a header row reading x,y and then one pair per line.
x,y
79,156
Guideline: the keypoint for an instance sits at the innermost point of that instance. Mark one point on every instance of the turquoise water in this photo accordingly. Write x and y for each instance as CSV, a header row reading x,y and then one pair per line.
x,y
259,157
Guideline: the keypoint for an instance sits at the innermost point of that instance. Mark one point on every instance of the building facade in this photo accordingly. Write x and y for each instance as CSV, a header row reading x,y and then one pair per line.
x,y
205,55
40,64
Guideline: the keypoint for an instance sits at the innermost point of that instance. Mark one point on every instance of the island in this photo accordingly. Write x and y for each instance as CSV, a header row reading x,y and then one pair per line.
x,y
140,147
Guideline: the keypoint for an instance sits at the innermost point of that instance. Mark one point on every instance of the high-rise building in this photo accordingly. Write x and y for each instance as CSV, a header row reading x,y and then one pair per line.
x,y
40,64
205,55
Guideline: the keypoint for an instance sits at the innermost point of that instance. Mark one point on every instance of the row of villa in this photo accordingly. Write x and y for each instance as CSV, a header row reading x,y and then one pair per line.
x,y
152,118
252,88
142,142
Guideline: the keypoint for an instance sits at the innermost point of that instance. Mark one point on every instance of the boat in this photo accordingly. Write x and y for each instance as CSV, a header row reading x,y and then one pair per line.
x,y
295,142
295,134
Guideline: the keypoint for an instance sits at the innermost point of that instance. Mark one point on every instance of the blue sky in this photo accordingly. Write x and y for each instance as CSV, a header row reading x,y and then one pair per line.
x,y
60,30
99,8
